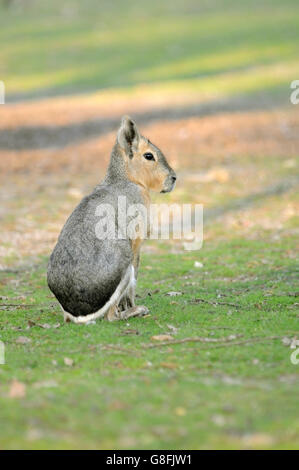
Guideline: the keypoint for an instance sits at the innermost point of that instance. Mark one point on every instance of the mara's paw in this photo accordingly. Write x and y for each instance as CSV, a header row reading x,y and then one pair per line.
x,y
138,311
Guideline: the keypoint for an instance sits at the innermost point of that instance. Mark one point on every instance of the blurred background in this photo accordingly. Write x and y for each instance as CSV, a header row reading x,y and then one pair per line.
x,y
208,81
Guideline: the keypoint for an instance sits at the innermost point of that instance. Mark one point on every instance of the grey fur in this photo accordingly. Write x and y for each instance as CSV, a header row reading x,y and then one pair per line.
x,y
84,271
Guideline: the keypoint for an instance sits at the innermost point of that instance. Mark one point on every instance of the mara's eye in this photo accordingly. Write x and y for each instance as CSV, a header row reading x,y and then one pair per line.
x,y
149,156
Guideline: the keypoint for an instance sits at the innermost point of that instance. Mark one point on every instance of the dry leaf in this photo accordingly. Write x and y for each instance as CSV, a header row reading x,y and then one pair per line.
x,y
180,411
168,365
45,326
258,440
130,331
286,341
198,264
173,329
219,420
117,405
294,344
68,362
161,338
23,340
17,389
46,384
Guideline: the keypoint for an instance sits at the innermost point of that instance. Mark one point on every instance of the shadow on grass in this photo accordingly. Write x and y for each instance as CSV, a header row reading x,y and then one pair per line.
x,y
42,137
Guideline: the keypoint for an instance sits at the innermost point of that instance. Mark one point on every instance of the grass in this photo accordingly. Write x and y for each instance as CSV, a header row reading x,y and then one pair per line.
x,y
81,46
110,385
120,394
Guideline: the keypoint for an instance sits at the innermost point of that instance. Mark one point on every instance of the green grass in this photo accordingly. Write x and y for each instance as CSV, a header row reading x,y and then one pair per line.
x,y
225,47
120,394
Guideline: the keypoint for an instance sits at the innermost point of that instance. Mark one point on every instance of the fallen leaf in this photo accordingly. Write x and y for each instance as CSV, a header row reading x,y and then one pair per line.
x,y
68,362
173,329
219,420
294,344
23,340
286,341
45,326
161,338
17,389
168,365
258,440
46,384
127,442
180,411
198,264
117,405
130,331
156,291
34,434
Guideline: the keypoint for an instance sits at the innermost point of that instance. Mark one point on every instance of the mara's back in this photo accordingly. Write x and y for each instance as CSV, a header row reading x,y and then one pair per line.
x,y
84,270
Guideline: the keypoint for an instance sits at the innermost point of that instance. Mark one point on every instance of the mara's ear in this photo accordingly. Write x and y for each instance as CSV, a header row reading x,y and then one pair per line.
x,y
128,135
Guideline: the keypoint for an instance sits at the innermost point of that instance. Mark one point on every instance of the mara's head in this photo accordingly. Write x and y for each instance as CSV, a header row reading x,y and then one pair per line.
x,y
145,163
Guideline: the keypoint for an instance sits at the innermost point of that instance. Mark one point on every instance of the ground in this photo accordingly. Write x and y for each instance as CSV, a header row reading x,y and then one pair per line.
x,y
221,374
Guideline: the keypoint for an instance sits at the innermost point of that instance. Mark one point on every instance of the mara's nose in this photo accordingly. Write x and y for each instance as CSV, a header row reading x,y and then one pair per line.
x,y
173,178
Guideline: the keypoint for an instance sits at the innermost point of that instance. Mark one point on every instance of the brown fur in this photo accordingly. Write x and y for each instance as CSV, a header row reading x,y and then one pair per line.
x,y
148,174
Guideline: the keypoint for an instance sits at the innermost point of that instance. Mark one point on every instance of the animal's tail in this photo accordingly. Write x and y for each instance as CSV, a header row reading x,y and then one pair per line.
x,y
114,299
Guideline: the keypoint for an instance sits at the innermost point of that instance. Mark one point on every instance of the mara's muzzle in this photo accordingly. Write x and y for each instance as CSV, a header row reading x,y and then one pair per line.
x,y
169,183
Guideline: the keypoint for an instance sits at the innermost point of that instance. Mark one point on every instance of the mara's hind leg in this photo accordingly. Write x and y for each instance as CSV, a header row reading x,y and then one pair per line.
x,y
128,297
115,313
127,308
120,306
125,299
